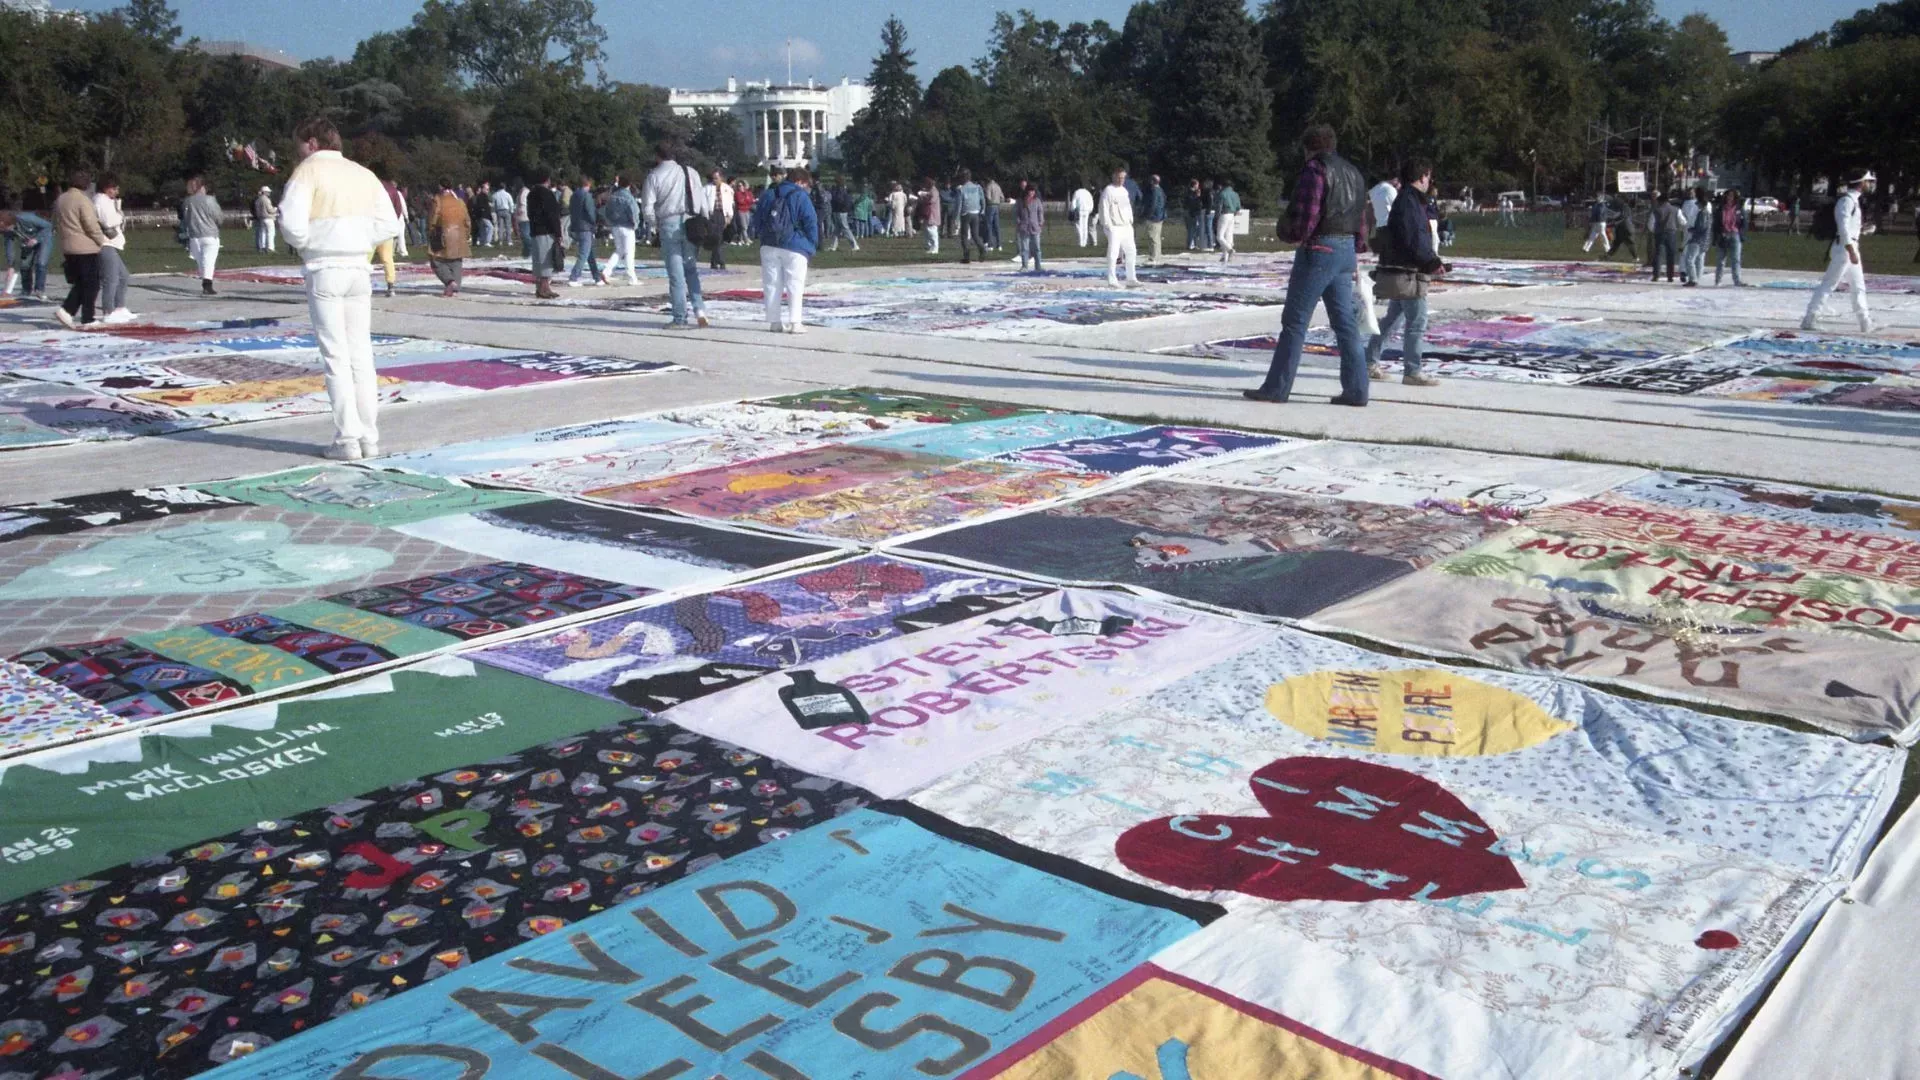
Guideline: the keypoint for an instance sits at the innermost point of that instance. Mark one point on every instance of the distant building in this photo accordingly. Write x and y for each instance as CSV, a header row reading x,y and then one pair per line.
x,y
1752,59
783,126
264,55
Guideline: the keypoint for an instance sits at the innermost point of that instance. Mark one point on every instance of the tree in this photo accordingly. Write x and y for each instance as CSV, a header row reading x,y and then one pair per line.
x,y
879,143
1700,72
498,43
153,20
1062,118
1200,66
717,138
954,128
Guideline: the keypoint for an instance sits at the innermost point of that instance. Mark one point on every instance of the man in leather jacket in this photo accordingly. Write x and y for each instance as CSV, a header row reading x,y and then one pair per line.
x,y
1327,220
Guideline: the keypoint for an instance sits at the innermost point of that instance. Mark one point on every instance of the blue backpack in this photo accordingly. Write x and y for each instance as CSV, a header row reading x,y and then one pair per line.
x,y
776,222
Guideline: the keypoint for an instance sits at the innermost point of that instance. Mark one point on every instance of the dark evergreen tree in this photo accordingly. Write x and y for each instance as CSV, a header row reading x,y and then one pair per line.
x,y
879,145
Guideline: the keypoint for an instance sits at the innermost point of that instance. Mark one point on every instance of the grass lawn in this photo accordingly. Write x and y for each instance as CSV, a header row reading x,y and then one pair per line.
x,y
1541,238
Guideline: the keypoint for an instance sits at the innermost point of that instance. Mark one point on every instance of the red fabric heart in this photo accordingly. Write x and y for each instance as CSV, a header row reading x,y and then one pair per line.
x,y
1338,829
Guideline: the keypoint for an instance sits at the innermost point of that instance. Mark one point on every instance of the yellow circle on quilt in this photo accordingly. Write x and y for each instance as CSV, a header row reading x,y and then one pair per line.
x,y
1420,711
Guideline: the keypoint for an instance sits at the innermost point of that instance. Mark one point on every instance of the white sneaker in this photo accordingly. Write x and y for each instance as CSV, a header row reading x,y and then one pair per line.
x,y
575,283
632,281
66,320
369,448
342,450
120,315
13,282
796,328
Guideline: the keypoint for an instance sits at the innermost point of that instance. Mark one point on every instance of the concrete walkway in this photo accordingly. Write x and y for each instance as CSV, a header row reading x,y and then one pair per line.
x,y
1101,369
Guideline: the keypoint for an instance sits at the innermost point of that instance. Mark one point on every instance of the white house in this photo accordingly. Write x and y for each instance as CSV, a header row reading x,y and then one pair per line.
x,y
784,125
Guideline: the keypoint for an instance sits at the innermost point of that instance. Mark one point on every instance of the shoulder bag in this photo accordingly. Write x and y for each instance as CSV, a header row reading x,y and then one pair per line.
x,y
699,227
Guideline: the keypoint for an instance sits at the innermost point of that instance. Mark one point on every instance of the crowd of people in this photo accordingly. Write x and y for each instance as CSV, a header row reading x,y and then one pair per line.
x,y
336,214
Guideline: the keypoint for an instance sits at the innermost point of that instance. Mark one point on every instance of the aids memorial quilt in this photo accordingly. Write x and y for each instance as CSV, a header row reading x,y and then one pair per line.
x,y
150,676
122,382
182,960
132,794
917,502
218,563
364,495
481,458
898,405
986,438
892,717
49,414
1670,584
736,491
634,548
1156,1022
904,953
35,710
1516,874
1142,448
824,424
659,656
1419,476
1264,552
614,470
77,513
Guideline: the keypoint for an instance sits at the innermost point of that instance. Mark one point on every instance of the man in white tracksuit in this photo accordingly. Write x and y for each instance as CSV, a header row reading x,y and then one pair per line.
x,y
1843,261
333,212
1082,206
1116,215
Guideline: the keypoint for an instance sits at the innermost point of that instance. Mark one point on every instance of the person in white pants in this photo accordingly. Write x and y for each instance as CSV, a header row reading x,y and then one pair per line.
x,y
1081,203
789,232
333,212
1843,261
1116,214
200,218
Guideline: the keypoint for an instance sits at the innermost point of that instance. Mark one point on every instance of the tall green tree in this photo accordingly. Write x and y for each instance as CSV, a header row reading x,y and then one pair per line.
x,y
155,21
716,136
1200,66
1063,117
879,144
498,43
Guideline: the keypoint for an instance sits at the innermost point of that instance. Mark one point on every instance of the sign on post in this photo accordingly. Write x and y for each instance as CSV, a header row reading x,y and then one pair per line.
x,y
1631,182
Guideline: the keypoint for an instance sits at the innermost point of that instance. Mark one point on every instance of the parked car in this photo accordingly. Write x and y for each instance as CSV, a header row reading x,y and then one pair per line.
x,y
1517,198
1548,202
1764,206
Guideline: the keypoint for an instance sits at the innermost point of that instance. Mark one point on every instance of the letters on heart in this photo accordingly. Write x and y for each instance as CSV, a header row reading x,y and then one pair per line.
x,y
1335,829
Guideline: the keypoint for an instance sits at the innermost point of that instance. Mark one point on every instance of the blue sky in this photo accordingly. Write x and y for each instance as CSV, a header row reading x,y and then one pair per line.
x,y
698,43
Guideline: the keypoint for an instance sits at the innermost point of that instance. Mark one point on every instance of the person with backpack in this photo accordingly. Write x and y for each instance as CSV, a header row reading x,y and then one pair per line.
x,y
789,231
671,201
1840,228
1729,231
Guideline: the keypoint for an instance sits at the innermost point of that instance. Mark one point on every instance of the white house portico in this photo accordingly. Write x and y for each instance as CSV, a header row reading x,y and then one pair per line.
x,y
783,126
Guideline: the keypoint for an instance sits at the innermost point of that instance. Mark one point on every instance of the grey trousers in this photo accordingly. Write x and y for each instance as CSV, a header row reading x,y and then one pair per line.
x,y
113,280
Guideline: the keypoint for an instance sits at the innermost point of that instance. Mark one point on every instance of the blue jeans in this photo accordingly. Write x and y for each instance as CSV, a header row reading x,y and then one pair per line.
x,y
843,226
1029,245
1322,270
1693,260
683,268
584,257
1729,247
1662,248
993,226
526,238
1415,313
